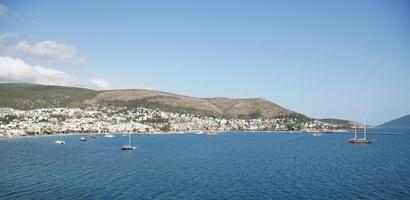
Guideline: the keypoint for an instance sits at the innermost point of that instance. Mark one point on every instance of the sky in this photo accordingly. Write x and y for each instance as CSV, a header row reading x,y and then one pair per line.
x,y
327,59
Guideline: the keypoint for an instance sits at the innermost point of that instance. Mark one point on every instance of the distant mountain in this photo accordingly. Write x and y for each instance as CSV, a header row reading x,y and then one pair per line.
x,y
402,122
32,96
340,122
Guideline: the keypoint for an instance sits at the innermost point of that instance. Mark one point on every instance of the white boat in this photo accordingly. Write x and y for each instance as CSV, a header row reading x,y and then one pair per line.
x,y
93,136
211,133
109,135
199,132
316,134
59,142
128,146
83,139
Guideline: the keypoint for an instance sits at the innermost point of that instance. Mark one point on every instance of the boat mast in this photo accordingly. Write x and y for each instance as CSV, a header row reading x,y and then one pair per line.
x,y
355,131
129,138
364,128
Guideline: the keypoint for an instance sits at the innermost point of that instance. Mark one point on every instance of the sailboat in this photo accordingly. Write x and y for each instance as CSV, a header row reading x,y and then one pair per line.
x,y
363,140
128,146
59,141
93,136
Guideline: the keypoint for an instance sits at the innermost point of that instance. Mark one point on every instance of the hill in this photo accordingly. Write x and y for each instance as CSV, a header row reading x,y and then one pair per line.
x,y
341,122
31,96
218,107
402,122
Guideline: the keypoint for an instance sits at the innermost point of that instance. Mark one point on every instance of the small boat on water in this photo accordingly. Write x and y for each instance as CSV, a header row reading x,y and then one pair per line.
x,y
59,142
109,135
128,146
93,136
211,133
316,134
83,139
363,140
199,132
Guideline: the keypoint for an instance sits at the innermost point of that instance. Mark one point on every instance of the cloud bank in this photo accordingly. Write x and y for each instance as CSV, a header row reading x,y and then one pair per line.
x,y
16,70
6,36
6,50
52,51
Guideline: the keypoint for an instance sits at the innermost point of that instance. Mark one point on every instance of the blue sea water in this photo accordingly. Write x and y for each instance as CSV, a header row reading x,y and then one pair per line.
x,y
226,166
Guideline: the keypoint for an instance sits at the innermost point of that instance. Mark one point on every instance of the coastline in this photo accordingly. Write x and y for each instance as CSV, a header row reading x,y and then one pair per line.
x,y
172,133
336,132
107,119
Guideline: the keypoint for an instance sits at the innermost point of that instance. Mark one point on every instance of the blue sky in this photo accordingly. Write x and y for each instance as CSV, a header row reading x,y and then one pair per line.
x,y
340,59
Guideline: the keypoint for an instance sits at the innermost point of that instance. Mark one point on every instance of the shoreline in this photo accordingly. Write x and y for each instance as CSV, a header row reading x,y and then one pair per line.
x,y
155,133
195,133
335,132
173,133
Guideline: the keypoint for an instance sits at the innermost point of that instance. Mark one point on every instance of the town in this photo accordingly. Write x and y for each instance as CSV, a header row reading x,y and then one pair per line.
x,y
119,120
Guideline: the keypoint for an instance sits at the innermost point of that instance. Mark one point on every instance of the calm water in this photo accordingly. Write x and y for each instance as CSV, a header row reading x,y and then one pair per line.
x,y
227,166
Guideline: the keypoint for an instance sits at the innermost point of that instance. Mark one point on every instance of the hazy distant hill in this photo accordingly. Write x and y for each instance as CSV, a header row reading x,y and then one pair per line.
x,y
402,122
340,122
31,96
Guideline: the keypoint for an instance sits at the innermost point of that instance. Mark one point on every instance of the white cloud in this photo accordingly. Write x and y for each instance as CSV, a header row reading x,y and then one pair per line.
x,y
52,51
6,50
5,36
16,70
3,9
101,83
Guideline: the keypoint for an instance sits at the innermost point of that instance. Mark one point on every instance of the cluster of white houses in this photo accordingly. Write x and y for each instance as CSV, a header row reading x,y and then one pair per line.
x,y
103,119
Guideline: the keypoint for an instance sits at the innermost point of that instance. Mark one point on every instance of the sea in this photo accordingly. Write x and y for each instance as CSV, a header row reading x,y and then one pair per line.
x,y
234,165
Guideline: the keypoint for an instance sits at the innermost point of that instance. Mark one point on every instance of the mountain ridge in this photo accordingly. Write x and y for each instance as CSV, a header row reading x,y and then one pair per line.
x,y
401,122
31,96
341,122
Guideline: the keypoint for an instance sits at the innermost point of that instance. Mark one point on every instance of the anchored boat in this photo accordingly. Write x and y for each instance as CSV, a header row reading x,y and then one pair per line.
x,y
59,141
109,135
128,146
363,140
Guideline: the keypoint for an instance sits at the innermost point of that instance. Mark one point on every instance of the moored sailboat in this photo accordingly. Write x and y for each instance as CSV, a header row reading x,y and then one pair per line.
x,y
93,135
128,146
59,141
363,140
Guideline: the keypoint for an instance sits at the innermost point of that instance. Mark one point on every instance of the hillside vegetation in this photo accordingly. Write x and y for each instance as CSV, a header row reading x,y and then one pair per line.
x,y
31,96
